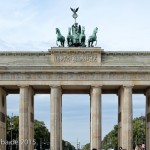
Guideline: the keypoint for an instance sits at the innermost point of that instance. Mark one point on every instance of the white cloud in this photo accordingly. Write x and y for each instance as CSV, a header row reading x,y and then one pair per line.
x,y
122,25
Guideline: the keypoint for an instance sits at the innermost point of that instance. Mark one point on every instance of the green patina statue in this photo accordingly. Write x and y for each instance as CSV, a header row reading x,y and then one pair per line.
x,y
93,38
82,37
60,38
76,35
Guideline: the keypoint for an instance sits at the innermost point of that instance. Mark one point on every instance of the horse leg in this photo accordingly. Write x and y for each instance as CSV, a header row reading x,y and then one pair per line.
x,y
88,43
92,44
96,43
68,42
62,44
57,43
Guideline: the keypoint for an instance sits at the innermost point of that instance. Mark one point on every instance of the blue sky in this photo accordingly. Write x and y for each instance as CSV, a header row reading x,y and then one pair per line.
x,y
30,25
76,113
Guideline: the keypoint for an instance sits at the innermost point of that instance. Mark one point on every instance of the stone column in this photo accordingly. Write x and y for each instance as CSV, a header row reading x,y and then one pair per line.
x,y
95,130
125,118
119,118
3,114
31,119
56,118
23,118
61,123
148,119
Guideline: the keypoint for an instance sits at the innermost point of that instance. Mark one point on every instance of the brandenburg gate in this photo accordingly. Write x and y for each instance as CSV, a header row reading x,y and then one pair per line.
x,y
76,69
72,71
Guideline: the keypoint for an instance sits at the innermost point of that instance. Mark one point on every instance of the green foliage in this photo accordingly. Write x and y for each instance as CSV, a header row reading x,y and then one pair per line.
x,y
12,124
41,133
111,139
86,147
14,127
139,134
67,146
139,130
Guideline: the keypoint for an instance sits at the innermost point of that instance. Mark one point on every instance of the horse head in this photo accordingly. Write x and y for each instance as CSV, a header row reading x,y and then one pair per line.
x,y
83,30
69,31
95,30
57,30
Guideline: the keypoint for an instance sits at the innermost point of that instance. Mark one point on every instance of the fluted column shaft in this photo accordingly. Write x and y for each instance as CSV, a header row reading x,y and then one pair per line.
x,y
148,119
125,122
56,118
23,118
95,117
119,118
31,119
3,114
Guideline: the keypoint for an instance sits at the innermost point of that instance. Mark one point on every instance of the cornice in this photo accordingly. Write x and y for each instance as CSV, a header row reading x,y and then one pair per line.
x,y
42,68
24,53
73,50
107,53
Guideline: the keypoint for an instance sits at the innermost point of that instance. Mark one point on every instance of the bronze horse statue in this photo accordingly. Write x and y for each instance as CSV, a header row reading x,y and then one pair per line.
x,y
82,37
93,38
60,38
69,38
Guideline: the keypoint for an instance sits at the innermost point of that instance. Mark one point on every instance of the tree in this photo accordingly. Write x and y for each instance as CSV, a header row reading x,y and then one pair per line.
x,y
67,146
12,124
86,147
111,139
41,134
139,130
139,134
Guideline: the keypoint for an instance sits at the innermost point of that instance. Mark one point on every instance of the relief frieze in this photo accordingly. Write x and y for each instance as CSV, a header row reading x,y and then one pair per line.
x,y
74,76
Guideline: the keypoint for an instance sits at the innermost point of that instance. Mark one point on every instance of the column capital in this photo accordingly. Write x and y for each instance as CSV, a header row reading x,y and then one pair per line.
x,y
23,85
96,86
147,92
119,91
55,86
32,90
3,89
128,85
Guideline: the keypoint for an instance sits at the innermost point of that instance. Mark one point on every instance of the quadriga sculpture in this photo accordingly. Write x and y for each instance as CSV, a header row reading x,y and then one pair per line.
x,y
76,36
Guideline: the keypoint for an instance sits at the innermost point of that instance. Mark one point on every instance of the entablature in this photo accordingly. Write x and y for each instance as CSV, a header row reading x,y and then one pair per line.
x,y
60,56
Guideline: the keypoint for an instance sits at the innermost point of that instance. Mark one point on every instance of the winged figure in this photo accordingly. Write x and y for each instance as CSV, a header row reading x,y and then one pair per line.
x,y
74,10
